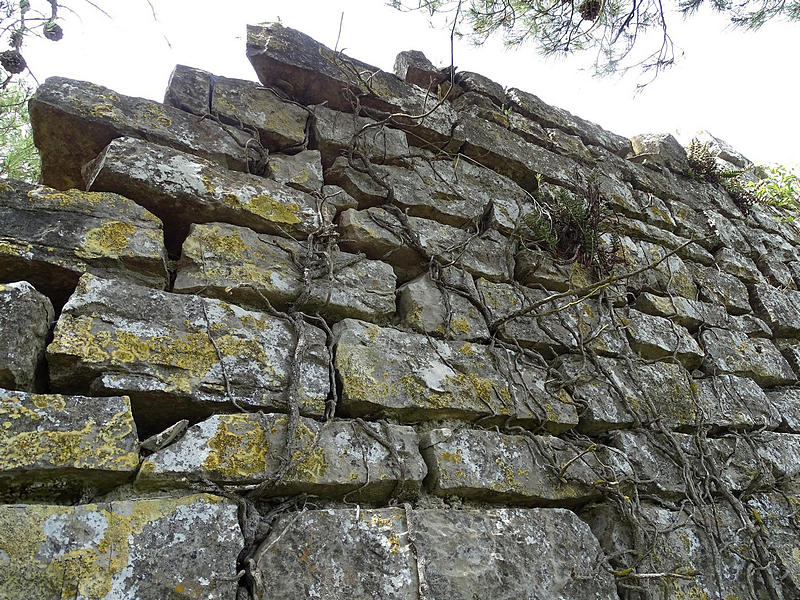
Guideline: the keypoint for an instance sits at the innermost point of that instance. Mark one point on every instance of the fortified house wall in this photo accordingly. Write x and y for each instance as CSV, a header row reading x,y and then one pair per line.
x,y
347,334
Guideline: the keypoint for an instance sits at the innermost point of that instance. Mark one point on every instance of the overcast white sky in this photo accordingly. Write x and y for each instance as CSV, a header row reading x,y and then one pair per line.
x,y
740,86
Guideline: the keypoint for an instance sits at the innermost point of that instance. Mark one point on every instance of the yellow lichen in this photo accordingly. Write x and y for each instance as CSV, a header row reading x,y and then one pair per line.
x,y
107,241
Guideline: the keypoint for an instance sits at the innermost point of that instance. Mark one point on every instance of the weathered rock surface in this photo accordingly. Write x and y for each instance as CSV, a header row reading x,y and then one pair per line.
x,y
736,402
397,553
85,117
537,268
690,314
618,393
787,402
182,189
738,265
301,171
734,352
537,470
179,356
258,270
717,287
656,338
60,447
412,377
381,235
779,308
414,67
50,238
665,272
660,149
118,550
327,459
25,318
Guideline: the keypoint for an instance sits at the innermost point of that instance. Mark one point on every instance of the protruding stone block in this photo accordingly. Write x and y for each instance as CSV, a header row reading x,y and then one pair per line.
x,y
787,402
413,67
734,402
736,353
718,287
659,338
51,238
332,459
179,356
413,377
85,117
690,314
659,149
183,189
301,171
779,308
120,550
664,272
61,447
25,318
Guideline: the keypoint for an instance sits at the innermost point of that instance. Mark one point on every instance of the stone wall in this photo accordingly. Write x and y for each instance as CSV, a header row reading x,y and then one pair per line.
x,y
331,336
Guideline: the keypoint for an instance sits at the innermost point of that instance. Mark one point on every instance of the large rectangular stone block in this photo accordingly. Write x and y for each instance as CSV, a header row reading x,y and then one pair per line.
x,y
51,238
659,338
411,377
362,461
85,117
734,352
779,308
60,447
25,318
144,549
397,553
238,265
180,356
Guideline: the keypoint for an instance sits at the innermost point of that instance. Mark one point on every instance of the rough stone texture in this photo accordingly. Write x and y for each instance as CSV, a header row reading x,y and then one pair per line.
x,y
414,67
536,268
690,314
660,149
50,238
336,134
734,352
301,171
245,104
787,403
85,117
182,356
25,318
423,306
738,265
60,447
666,273
257,270
717,287
412,377
330,459
537,470
736,402
145,549
183,189
480,84
780,309
659,338
393,553
381,235
616,395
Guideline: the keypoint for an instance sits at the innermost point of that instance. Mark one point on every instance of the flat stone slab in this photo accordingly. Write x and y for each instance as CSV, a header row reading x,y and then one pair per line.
x,y
238,265
85,117
183,189
331,459
145,549
616,392
25,318
396,553
57,447
534,470
412,377
380,235
659,338
51,238
246,104
690,314
734,352
180,356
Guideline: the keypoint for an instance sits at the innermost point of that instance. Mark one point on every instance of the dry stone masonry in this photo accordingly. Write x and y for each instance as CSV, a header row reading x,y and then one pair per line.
x,y
346,334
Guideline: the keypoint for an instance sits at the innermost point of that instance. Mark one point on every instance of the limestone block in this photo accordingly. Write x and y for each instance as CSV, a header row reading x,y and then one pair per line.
x,y
734,352
413,377
777,273
280,125
237,265
552,116
663,275
779,308
735,402
144,549
528,129
640,230
550,326
180,356
85,117
617,393
718,287
787,402
454,193
337,198
738,265
537,268
656,337
50,238
58,447
184,189
660,149
312,74
301,171
767,246
543,470
422,306
412,66
25,318
480,84
380,235
750,325
336,134
569,145
397,553
690,314
327,459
